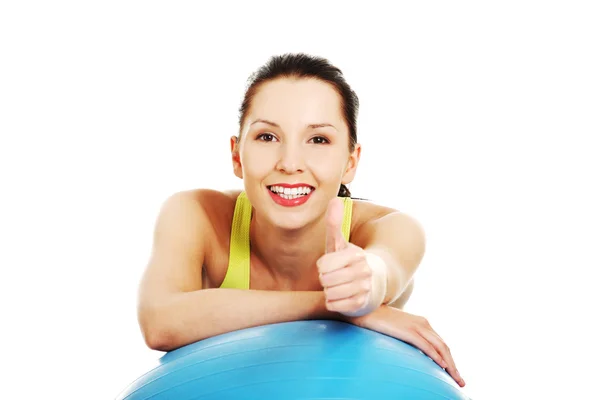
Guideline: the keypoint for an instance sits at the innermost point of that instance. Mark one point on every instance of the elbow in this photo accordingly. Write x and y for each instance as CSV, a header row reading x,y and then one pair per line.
x,y
159,339
157,335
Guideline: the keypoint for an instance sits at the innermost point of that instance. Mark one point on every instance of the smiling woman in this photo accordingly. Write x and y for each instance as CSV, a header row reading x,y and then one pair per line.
x,y
293,133
293,245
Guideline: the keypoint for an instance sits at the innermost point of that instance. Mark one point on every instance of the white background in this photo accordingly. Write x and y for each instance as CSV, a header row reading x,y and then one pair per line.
x,y
479,120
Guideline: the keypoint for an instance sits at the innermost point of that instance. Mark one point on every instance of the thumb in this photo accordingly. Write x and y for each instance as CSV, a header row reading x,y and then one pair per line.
x,y
334,239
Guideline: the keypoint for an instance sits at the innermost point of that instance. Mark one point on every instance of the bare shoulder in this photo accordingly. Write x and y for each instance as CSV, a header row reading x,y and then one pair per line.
x,y
203,203
187,240
370,218
364,211
211,202
367,210
217,209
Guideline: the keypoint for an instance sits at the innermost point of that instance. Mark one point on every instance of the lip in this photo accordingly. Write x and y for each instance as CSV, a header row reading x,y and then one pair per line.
x,y
290,202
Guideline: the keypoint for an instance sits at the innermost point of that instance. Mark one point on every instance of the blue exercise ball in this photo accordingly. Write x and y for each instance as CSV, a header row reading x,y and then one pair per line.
x,y
296,360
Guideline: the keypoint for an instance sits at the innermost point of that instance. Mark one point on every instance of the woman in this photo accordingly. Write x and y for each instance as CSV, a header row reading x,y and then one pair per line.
x,y
292,245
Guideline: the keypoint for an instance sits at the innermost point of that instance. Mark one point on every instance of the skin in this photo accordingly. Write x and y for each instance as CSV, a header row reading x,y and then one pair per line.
x,y
299,249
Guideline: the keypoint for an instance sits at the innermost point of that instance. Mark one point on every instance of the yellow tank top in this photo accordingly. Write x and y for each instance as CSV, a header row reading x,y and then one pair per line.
x,y
238,270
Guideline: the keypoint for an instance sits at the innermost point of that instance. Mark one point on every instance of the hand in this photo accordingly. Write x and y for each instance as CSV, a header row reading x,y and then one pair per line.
x,y
411,329
352,287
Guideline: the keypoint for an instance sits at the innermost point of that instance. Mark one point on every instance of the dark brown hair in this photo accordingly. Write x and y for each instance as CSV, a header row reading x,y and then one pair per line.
x,y
302,65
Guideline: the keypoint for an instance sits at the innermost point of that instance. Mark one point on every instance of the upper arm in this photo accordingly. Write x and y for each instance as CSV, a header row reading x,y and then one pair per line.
x,y
178,250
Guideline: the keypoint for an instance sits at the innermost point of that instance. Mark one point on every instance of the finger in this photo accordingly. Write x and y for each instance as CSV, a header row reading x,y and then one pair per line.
x,y
340,259
334,239
434,332
347,305
426,347
347,290
354,271
435,338
443,349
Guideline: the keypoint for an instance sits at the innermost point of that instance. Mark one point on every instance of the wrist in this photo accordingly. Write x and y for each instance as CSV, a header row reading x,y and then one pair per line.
x,y
379,279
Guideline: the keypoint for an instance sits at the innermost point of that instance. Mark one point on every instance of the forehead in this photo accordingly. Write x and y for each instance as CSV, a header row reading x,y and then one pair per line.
x,y
297,101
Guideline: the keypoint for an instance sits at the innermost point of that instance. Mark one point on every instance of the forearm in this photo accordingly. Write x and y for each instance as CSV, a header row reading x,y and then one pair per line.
x,y
188,317
396,278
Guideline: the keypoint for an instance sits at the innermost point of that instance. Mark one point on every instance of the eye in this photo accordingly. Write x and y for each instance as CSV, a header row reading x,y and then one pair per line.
x,y
320,140
266,137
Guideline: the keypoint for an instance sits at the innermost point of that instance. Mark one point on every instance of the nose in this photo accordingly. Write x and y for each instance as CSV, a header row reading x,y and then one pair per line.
x,y
291,159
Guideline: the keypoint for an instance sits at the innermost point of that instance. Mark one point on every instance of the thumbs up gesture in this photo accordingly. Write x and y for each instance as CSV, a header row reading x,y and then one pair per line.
x,y
354,281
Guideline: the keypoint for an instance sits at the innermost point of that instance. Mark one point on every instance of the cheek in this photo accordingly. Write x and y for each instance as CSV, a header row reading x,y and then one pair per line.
x,y
256,161
327,175
327,167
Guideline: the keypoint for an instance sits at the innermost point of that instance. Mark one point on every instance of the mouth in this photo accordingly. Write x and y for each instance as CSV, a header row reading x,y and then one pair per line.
x,y
290,193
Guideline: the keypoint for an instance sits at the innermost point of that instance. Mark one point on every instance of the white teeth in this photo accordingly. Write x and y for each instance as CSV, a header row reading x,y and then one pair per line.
x,y
291,193
290,196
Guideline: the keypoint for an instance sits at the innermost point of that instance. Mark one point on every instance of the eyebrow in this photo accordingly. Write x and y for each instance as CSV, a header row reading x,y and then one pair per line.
x,y
311,126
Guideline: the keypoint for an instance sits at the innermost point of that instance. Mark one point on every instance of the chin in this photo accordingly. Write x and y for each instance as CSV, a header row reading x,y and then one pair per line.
x,y
288,220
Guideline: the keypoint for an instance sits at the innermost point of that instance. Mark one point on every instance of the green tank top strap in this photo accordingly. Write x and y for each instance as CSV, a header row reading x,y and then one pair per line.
x,y
238,269
347,217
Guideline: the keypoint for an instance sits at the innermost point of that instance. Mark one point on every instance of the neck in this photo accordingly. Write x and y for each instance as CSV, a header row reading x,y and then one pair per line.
x,y
289,255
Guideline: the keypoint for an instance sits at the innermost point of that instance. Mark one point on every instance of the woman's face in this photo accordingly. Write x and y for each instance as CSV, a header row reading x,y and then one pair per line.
x,y
294,135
